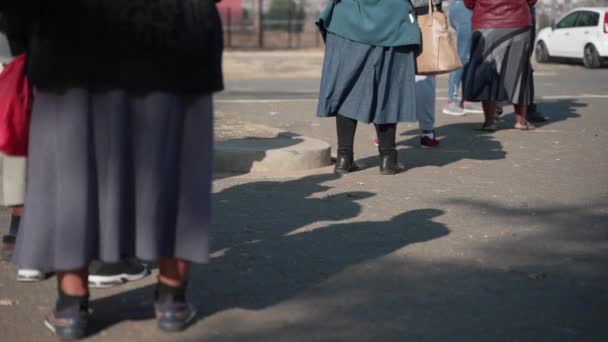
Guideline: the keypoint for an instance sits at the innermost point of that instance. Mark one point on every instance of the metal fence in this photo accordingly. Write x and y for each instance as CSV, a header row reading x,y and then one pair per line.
x,y
289,24
270,24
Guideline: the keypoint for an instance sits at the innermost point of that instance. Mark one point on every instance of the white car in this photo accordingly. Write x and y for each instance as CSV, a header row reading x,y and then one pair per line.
x,y
581,34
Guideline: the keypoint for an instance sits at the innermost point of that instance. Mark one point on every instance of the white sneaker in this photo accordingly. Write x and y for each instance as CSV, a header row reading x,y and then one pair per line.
x,y
30,275
453,108
472,107
104,275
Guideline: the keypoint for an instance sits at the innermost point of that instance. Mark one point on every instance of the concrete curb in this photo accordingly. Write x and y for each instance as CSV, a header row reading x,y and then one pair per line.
x,y
283,153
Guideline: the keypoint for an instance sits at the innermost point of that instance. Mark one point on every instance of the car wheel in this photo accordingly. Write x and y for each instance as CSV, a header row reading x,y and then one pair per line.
x,y
591,57
542,54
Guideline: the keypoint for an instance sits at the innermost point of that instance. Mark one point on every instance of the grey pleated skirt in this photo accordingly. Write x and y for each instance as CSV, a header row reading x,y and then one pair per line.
x,y
499,68
113,175
367,83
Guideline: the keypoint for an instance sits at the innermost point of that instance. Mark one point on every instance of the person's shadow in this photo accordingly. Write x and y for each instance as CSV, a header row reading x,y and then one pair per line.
x,y
465,140
267,254
555,110
458,141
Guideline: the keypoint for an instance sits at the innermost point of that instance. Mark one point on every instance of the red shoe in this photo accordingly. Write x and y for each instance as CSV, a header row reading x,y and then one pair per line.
x,y
426,141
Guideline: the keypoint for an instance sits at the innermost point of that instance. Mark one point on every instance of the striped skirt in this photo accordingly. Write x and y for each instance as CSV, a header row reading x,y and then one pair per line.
x,y
499,68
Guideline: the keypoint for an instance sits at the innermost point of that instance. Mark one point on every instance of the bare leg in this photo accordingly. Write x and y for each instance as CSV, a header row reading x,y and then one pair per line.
x,y
521,121
74,283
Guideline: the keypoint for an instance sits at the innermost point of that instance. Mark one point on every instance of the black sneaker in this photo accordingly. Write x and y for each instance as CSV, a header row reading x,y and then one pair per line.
x,y
104,275
8,246
69,324
174,316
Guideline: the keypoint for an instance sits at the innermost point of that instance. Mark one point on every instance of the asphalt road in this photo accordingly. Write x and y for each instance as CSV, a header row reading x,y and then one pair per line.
x,y
491,237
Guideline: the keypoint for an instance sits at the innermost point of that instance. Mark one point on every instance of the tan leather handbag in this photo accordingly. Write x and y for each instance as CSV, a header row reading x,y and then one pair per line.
x,y
438,50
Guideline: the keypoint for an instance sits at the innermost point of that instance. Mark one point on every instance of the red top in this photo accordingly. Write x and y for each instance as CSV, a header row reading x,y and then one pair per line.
x,y
500,13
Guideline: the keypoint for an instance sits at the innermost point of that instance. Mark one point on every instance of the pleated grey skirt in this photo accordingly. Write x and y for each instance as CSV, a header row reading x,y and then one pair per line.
x,y
367,83
113,175
499,68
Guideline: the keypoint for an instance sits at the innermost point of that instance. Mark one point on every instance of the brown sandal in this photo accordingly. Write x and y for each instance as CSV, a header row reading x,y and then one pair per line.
x,y
524,126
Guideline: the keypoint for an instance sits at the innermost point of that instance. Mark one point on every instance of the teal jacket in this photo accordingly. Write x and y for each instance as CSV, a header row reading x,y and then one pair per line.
x,y
373,22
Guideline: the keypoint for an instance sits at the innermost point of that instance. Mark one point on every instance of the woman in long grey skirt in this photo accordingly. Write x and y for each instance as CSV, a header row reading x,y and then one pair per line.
x,y
368,73
120,143
499,68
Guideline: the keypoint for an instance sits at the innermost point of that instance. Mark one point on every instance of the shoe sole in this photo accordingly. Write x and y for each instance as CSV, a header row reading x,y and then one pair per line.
x,y
391,172
473,111
343,172
63,337
447,112
104,282
25,278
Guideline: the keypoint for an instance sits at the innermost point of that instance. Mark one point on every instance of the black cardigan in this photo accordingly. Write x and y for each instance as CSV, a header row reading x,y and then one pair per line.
x,y
137,45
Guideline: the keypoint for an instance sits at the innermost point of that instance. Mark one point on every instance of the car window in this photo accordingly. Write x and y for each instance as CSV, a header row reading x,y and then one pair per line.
x,y
569,21
586,19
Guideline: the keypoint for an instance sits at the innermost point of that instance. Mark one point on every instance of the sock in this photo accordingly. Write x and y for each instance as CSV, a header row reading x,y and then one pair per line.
x,y
429,134
66,301
165,293
14,227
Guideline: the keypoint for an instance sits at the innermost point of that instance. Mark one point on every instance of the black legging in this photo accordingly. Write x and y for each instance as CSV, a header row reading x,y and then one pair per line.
x,y
346,128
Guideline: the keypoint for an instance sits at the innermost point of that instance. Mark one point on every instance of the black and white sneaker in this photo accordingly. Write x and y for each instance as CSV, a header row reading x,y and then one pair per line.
x,y
104,275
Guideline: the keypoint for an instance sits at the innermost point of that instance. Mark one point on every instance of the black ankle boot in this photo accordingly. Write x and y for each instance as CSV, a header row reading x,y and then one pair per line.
x,y
345,161
389,162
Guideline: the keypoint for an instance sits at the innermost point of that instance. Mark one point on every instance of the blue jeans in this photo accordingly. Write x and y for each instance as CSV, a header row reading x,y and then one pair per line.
x,y
460,18
425,102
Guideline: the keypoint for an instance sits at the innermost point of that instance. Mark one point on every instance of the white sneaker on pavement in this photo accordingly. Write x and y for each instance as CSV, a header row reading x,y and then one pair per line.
x,y
454,109
472,107
30,275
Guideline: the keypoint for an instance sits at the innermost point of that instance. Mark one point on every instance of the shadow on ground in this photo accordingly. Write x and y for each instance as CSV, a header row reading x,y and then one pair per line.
x,y
262,256
556,110
283,250
461,141
545,283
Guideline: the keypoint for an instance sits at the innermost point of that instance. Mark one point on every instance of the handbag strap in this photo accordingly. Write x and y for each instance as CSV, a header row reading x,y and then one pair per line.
x,y
432,10
432,7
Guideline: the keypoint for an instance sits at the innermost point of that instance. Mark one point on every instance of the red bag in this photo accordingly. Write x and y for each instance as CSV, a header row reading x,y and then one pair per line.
x,y
15,108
